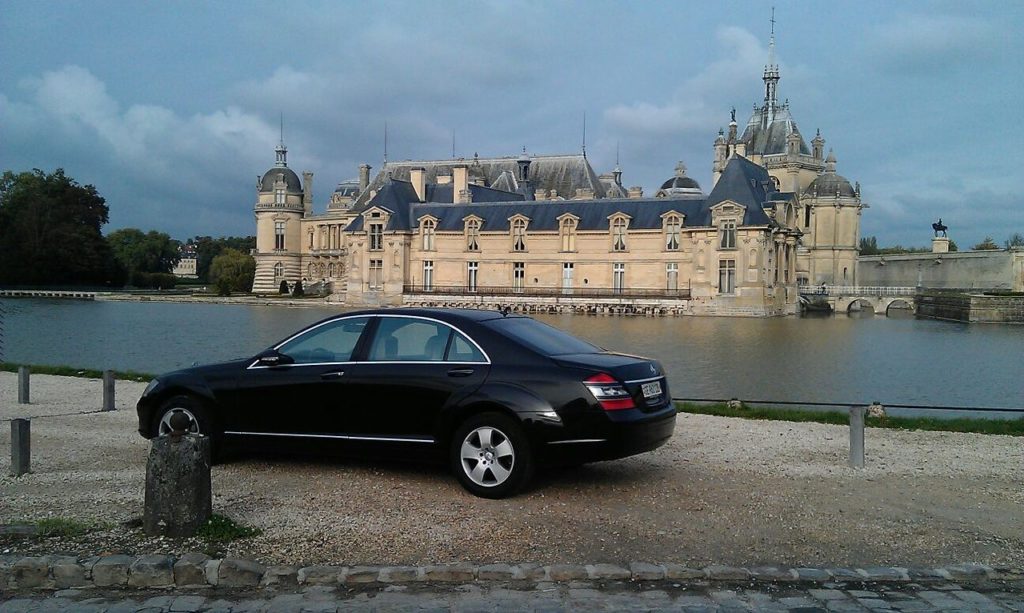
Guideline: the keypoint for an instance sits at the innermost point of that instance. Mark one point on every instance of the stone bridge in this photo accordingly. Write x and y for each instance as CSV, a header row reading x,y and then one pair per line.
x,y
850,298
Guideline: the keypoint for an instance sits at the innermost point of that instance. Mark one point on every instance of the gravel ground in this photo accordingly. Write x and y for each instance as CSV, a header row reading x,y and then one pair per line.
x,y
722,491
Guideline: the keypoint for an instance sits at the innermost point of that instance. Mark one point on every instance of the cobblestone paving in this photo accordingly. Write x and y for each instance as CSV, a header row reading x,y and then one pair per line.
x,y
543,596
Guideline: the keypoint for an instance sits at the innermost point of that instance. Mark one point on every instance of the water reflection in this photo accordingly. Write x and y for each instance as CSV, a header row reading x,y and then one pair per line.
x,y
840,358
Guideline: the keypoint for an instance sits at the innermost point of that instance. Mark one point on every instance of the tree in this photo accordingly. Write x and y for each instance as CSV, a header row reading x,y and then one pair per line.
x,y
986,245
283,289
297,291
50,230
207,248
869,246
1017,240
233,270
135,252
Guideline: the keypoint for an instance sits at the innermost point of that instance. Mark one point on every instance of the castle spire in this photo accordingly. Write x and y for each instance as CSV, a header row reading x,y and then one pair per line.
x,y
771,71
281,151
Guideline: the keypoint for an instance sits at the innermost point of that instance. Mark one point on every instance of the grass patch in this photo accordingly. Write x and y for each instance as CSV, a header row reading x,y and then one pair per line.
x,y
70,371
1011,427
221,529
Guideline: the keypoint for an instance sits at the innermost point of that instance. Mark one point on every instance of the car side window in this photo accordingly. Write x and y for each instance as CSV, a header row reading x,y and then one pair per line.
x,y
405,339
462,350
331,342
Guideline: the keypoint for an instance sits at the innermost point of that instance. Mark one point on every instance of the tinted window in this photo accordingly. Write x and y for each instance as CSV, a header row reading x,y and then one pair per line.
x,y
330,342
402,339
542,338
462,350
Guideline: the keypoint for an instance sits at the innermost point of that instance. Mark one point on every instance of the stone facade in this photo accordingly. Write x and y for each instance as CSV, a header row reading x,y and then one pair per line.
x,y
548,229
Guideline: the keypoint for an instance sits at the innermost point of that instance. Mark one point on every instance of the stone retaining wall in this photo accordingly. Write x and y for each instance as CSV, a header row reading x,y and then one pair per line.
x,y
192,570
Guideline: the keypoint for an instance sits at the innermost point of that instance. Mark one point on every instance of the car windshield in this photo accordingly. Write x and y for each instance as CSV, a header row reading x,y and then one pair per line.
x,y
542,338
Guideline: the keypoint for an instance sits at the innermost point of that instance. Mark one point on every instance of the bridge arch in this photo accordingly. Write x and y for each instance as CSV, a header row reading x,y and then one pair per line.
x,y
859,304
899,303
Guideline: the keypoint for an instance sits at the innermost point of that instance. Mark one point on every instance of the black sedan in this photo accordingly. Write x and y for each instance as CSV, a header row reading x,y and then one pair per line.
x,y
495,393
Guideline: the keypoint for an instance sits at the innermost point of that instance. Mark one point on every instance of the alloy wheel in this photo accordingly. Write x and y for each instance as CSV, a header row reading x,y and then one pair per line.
x,y
487,456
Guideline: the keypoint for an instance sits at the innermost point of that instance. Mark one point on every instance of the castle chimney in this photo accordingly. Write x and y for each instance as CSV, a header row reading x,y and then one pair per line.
x,y
307,193
460,179
364,177
636,192
418,177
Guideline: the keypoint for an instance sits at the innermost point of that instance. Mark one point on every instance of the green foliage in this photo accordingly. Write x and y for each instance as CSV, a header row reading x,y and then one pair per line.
x,y
952,246
1017,240
986,245
207,248
897,249
222,529
284,287
136,252
153,280
62,526
85,373
869,245
297,290
50,230
1012,427
232,270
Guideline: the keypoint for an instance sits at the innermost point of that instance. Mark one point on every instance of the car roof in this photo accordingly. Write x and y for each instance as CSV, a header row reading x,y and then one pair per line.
x,y
477,315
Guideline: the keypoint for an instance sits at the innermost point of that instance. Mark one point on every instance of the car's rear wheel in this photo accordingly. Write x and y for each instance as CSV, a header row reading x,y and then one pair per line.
x,y
491,455
200,420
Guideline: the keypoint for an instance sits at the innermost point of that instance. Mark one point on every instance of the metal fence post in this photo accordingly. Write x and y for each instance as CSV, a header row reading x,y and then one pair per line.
x,y
23,375
108,390
20,446
857,437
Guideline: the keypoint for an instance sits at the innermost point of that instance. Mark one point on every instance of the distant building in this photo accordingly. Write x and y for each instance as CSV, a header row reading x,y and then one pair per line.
x,y
547,231
186,267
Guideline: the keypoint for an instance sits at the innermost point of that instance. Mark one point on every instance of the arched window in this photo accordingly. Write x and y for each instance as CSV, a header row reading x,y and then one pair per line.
x,y
278,270
519,235
330,270
427,230
473,235
619,234
310,271
568,232
673,231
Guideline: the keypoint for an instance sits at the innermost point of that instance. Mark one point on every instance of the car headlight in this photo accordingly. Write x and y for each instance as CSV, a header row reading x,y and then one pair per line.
x,y
152,386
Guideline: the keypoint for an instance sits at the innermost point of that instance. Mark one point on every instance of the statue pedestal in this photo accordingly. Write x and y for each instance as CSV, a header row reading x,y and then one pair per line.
x,y
940,244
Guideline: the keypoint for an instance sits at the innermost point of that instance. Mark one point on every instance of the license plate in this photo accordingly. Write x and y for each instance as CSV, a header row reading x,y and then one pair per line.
x,y
652,389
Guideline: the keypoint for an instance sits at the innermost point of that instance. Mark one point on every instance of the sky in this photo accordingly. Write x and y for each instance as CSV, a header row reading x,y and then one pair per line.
x,y
172,109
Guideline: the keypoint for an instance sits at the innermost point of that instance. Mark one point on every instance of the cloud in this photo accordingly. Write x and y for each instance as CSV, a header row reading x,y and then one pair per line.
x,y
148,161
932,45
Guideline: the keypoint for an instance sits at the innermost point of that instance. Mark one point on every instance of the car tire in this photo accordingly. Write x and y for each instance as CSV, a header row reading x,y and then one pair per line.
x,y
491,456
200,421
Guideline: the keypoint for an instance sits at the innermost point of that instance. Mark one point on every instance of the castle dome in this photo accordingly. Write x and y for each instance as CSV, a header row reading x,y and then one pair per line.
x,y
829,183
680,186
292,183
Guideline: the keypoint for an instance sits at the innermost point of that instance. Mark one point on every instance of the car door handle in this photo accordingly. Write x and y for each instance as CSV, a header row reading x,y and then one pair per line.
x,y
333,375
460,372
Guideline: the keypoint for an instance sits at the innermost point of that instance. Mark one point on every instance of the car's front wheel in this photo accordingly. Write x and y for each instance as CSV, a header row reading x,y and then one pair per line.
x,y
199,419
491,455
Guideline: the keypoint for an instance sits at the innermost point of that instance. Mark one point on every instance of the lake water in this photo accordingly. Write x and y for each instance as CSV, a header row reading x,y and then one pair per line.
x,y
816,359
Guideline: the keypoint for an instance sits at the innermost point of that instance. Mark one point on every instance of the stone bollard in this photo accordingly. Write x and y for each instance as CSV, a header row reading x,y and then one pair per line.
x,y
21,446
178,496
23,375
857,437
108,390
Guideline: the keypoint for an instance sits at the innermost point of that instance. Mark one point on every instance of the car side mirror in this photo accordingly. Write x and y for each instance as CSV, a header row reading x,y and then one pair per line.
x,y
273,358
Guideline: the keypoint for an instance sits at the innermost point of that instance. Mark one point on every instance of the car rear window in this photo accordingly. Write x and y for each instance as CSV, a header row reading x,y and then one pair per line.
x,y
542,338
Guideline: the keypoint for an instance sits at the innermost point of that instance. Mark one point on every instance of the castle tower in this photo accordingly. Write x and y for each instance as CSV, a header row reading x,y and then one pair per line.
x,y
832,210
281,203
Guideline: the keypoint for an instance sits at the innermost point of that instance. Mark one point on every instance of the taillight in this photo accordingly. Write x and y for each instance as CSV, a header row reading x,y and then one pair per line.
x,y
609,392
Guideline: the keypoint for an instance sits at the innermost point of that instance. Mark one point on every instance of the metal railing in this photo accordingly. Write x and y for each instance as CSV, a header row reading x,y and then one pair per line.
x,y
856,290
682,293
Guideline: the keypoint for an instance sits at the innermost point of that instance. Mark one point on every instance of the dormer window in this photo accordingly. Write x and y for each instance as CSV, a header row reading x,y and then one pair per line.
x,y
472,235
519,235
727,234
619,225
427,231
376,236
673,232
279,195
567,230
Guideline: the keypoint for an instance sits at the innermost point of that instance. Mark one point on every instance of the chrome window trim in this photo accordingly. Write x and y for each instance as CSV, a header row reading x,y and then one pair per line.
x,y
345,437
487,358
579,440
658,378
